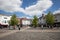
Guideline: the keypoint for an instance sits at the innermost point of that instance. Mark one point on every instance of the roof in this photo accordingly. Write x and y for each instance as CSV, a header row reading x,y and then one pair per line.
x,y
24,19
42,17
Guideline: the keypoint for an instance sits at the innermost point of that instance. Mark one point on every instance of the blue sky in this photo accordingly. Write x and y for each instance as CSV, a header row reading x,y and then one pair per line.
x,y
55,6
26,7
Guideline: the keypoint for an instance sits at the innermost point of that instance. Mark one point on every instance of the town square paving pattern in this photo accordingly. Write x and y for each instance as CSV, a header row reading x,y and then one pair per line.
x,y
34,34
25,35
5,32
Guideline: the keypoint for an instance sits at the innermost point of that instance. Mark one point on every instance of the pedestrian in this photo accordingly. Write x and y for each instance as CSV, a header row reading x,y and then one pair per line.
x,y
18,27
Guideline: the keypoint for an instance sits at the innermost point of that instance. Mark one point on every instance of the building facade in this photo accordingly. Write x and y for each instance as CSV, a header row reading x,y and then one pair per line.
x,y
25,22
42,20
4,20
57,19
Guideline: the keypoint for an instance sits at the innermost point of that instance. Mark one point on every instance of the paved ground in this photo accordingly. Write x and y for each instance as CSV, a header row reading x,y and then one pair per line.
x,y
32,34
45,28
42,30
4,32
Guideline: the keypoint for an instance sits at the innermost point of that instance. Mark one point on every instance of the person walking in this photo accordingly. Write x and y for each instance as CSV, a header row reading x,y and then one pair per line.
x,y
18,26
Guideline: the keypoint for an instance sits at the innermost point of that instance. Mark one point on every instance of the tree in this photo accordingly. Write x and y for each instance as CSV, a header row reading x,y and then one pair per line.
x,y
13,21
50,19
35,21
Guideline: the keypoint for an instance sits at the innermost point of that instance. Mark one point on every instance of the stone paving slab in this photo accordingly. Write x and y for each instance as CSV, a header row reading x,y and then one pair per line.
x,y
8,33
41,31
33,36
23,29
4,32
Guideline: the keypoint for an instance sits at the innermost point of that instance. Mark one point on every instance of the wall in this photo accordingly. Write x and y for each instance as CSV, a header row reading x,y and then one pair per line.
x,y
4,19
26,22
57,18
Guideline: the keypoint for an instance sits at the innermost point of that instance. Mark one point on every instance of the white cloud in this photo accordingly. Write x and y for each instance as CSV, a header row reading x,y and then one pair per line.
x,y
39,7
15,5
57,11
11,5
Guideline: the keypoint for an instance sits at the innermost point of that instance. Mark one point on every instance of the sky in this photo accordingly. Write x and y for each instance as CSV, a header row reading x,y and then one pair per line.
x,y
29,8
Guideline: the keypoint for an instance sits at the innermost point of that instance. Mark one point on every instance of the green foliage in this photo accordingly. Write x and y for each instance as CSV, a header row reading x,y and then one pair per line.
x,y
50,18
13,20
35,21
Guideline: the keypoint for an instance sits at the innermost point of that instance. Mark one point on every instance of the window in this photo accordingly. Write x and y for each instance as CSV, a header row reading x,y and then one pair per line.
x,y
5,17
4,21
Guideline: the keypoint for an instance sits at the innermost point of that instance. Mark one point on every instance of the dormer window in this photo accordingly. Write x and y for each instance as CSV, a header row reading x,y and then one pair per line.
x,y
5,17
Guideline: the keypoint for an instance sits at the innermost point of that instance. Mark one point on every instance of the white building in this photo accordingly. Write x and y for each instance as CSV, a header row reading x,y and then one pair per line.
x,y
4,19
25,21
